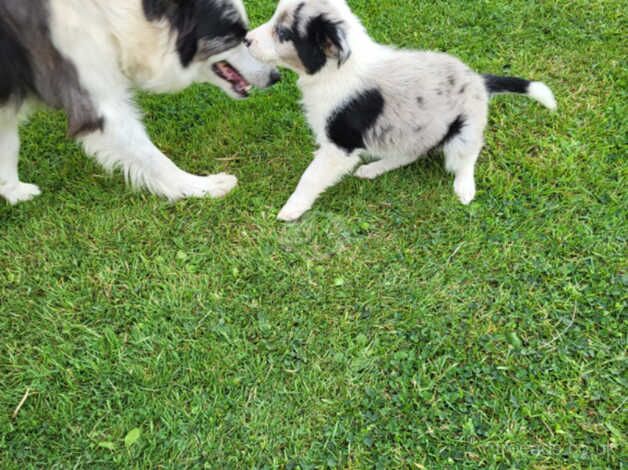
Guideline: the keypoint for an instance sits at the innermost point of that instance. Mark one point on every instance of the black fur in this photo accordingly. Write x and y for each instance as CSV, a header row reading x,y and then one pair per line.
x,y
297,17
454,129
310,46
204,27
31,65
320,33
16,75
347,126
496,84
285,34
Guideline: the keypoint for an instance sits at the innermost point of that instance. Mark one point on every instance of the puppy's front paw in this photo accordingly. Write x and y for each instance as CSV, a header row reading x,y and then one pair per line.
x,y
291,213
19,192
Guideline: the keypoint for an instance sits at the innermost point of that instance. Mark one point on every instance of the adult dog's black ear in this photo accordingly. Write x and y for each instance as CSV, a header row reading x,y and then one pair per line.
x,y
331,36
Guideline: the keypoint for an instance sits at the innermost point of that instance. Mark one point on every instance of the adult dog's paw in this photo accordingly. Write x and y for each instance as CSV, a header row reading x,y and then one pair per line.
x,y
221,184
19,192
187,185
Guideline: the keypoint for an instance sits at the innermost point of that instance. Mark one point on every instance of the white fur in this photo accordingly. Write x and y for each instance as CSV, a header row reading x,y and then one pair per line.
x,y
542,93
11,188
127,147
327,169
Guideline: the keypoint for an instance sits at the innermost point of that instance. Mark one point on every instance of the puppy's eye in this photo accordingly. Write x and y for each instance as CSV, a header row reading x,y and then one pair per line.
x,y
283,34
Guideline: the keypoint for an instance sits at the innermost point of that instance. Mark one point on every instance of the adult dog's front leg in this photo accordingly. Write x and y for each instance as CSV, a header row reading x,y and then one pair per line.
x,y
11,188
329,166
124,144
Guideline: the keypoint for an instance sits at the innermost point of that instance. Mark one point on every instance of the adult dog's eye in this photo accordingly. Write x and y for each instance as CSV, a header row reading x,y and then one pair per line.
x,y
283,34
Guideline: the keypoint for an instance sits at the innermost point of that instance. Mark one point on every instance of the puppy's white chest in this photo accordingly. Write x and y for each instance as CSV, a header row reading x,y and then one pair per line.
x,y
317,113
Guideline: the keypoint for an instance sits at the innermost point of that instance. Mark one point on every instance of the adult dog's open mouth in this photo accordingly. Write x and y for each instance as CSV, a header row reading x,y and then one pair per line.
x,y
229,73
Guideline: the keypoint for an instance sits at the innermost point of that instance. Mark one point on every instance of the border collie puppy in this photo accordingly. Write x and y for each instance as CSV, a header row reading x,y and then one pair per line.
x,y
86,56
361,98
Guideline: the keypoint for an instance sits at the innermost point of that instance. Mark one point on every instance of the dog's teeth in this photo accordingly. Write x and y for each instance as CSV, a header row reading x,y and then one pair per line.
x,y
248,88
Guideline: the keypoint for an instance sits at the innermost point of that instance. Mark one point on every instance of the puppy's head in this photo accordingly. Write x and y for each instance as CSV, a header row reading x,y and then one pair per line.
x,y
209,42
304,35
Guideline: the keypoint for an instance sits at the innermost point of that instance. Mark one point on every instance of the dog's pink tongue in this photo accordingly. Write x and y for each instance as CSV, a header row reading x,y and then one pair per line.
x,y
229,73
234,77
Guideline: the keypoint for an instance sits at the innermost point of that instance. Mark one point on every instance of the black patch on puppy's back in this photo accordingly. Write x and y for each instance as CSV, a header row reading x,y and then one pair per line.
x,y
208,27
347,126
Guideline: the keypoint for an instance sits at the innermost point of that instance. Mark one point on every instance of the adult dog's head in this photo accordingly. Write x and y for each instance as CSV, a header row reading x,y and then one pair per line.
x,y
209,37
305,35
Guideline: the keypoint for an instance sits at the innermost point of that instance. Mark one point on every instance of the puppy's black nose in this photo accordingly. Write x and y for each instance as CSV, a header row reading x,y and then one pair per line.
x,y
247,42
275,77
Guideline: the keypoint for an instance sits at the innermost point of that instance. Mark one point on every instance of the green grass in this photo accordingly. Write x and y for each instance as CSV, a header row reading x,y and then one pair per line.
x,y
392,327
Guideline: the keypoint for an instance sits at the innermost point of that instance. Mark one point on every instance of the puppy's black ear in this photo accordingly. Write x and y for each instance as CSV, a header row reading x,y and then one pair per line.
x,y
331,36
336,45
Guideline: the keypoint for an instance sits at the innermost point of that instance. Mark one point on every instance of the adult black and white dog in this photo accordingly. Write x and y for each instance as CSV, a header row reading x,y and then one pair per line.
x,y
86,56
361,97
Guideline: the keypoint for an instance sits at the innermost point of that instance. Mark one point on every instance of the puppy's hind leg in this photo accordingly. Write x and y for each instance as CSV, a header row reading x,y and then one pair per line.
x,y
461,155
11,188
124,144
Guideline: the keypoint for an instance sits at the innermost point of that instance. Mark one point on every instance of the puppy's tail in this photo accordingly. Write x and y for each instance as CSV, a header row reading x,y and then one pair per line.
x,y
538,91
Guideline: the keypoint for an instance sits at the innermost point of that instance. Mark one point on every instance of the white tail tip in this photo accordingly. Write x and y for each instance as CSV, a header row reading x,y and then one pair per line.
x,y
542,93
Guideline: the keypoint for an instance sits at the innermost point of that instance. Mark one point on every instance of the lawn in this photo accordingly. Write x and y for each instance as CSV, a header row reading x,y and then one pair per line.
x,y
392,327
